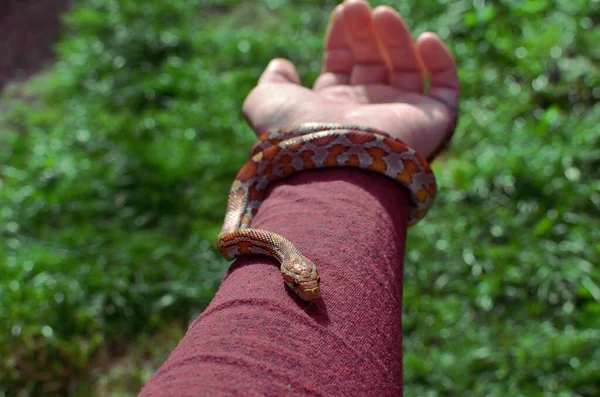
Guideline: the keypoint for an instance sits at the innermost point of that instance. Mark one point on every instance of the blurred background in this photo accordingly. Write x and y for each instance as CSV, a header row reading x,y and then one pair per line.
x,y
121,131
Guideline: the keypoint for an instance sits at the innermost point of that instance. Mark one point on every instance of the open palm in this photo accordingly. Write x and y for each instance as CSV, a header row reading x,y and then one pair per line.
x,y
373,75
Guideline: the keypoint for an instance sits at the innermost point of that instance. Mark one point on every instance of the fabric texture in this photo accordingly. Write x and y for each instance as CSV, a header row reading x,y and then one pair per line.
x,y
257,338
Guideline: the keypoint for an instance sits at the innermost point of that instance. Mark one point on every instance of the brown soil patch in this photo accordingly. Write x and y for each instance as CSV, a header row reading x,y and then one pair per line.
x,y
28,29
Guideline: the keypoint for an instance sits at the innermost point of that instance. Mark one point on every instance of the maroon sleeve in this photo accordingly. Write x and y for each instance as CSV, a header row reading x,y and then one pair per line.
x,y
257,338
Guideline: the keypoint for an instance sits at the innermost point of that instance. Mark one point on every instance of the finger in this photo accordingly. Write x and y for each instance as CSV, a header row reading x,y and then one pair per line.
x,y
280,71
406,72
337,57
441,68
370,66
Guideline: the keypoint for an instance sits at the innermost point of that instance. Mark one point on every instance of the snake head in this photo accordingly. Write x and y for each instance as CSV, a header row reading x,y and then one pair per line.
x,y
303,278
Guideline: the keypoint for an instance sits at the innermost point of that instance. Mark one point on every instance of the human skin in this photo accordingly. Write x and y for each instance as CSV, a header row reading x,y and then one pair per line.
x,y
373,74
257,338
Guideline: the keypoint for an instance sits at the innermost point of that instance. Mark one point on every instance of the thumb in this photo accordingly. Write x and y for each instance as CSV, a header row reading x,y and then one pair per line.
x,y
280,71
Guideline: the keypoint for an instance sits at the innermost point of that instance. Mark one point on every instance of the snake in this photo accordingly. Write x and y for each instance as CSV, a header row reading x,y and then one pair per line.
x,y
280,153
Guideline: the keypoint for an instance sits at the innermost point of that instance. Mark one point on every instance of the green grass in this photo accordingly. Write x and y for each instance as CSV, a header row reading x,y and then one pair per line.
x,y
116,161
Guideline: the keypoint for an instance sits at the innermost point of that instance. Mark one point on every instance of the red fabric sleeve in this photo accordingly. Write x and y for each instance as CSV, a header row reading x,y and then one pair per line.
x,y
257,338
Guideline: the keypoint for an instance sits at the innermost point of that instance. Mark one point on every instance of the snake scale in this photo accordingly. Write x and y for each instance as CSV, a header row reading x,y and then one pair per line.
x,y
281,153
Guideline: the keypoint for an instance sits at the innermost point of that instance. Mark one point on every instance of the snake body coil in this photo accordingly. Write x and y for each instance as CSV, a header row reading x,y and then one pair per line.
x,y
281,153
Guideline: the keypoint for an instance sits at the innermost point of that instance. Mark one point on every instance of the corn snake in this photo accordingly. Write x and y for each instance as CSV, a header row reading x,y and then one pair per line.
x,y
281,153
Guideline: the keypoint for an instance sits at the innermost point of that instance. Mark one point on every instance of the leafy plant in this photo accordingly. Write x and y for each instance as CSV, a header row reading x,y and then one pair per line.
x,y
116,161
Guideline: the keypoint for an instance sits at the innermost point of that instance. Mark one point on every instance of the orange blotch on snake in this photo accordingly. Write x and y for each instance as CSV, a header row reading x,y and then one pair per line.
x,y
285,162
361,139
307,158
378,165
269,172
420,214
287,170
270,152
227,237
254,194
244,247
395,146
432,189
248,171
285,159
410,168
334,151
287,277
422,195
353,161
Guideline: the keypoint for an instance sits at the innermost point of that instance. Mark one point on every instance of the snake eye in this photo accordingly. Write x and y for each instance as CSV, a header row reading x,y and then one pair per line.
x,y
295,283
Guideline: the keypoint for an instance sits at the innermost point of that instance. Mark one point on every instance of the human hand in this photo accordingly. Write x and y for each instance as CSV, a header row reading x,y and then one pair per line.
x,y
372,75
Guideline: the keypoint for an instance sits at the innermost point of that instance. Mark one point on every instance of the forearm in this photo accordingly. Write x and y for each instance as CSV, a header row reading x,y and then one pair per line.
x,y
257,337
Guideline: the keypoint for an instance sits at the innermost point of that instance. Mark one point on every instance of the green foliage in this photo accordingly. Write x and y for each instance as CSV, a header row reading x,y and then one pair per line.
x,y
117,160
501,292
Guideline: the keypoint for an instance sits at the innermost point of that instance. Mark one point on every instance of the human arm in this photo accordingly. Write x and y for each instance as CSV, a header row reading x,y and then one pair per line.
x,y
256,337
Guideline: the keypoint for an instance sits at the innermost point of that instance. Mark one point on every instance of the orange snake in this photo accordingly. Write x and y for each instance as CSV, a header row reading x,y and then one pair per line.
x,y
283,152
